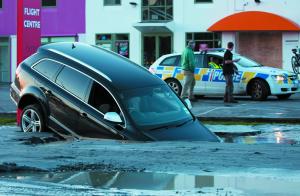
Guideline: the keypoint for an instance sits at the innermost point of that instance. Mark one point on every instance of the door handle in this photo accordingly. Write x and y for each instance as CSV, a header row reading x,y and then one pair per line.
x,y
48,92
83,114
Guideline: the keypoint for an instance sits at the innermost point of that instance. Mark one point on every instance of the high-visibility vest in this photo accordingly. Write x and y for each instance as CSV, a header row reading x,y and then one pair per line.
x,y
214,65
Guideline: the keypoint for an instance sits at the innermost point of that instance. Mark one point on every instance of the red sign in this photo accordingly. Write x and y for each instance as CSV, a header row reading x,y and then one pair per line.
x,y
28,28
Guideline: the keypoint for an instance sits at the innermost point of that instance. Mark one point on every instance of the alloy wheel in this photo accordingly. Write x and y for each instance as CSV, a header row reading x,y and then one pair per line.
x,y
31,121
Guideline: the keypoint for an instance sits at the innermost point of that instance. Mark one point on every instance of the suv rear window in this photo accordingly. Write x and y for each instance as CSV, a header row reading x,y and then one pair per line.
x,y
73,81
48,68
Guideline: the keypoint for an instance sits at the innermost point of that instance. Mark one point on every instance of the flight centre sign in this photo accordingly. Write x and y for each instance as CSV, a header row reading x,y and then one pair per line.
x,y
28,28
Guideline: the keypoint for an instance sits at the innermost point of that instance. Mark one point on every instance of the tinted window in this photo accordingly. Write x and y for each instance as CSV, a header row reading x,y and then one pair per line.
x,y
48,68
102,100
73,81
171,61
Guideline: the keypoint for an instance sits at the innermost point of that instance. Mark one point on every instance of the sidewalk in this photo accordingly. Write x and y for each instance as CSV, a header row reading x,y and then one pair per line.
x,y
214,109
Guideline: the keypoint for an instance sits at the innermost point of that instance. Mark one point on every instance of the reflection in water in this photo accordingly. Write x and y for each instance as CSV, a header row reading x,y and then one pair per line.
x,y
286,185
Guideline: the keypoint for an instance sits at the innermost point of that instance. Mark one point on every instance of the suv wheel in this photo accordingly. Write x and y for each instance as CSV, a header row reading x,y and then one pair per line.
x,y
32,119
175,85
259,90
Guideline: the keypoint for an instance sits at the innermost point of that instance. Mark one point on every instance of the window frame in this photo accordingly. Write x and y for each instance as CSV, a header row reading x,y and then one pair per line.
x,y
213,40
112,4
48,6
147,8
112,41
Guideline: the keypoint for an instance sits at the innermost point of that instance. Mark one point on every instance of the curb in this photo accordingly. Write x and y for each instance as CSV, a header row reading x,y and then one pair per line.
x,y
8,115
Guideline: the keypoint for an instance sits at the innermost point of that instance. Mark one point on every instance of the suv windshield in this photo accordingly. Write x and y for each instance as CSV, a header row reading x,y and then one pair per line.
x,y
245,62
155,106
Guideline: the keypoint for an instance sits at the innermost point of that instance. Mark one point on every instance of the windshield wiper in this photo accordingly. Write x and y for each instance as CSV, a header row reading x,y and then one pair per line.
x,y
185,122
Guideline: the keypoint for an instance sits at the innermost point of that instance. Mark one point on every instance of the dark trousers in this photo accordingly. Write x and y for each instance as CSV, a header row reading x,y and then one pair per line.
x,y
229,88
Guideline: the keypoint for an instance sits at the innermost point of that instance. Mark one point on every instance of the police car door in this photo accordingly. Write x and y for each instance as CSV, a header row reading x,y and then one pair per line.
x,y
200,75
215,78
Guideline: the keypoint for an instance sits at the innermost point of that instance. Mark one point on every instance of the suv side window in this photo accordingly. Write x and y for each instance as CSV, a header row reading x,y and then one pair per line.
x,y
73,81
102,100
170,61
48,68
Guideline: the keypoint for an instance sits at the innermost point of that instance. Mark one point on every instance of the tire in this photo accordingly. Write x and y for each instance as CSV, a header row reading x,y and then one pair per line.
x,y
259,90
295,65
32,119
175,85
283,97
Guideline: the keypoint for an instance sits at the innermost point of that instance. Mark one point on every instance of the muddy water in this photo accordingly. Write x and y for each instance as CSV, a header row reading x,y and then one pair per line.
x,y
137,181
264,133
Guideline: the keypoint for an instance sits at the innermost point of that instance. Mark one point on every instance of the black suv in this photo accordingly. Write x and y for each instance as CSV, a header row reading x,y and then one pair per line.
x,y
85,91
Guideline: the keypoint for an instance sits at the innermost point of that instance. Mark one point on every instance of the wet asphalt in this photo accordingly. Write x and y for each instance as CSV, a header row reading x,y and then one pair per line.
x,y
213,108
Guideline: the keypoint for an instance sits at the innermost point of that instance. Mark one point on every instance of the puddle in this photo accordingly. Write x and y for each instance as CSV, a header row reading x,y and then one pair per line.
x,y
265,133
237,184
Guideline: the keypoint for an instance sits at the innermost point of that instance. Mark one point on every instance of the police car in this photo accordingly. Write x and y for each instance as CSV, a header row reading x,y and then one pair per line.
x,y
252,78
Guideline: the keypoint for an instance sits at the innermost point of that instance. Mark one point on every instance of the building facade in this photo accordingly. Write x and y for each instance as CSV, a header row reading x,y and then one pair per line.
x,y
143,30
61,20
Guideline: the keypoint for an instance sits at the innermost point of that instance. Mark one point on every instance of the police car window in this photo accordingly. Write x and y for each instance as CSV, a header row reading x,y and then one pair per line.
x,y
171,61
48,68
199,60
214,62
73,81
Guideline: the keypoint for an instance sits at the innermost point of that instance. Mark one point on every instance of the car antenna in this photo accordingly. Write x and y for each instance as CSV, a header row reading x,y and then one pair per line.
x,y
73,46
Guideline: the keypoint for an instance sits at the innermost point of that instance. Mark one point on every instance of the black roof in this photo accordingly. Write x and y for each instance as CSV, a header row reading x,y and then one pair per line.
x,y
121,72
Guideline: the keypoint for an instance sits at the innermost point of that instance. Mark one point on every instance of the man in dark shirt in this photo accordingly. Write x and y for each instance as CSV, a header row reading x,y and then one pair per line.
x,y
228,71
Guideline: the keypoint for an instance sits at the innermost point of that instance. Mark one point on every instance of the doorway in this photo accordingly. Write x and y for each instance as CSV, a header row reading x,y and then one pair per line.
x,y
4,61
154,46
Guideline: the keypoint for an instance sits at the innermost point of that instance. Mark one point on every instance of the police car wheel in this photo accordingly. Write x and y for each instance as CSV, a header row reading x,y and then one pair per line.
x,y
259,90
285,96
175,85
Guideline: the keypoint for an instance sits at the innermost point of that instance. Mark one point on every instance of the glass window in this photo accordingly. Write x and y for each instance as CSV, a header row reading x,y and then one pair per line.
x,y
102,100
112,2
203,1
48,3
48,68
154,106
73,81
157,10
118,43
171,61
213,40
1,4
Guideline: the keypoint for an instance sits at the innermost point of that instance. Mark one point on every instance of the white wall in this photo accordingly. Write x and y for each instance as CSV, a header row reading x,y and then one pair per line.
x,y
114,19
188,17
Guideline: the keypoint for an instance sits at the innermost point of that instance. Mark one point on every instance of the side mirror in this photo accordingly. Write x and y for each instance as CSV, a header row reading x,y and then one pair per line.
x,y
188,103
113,117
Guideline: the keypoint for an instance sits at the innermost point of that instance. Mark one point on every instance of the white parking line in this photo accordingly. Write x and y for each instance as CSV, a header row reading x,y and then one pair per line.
x,y
212,110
